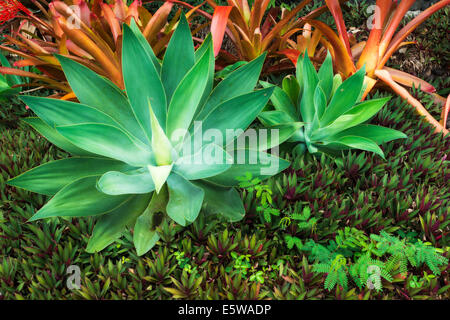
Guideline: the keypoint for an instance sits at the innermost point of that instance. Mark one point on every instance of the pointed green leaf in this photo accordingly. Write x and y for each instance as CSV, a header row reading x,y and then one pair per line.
x,y
161,145
111,226
186,98
345,97
142,82
291,86
281,101
356,115
60,113
325,75
299,71
95,91
52,176
358,143
320,103
107,141
239,82
310,81
55,137
377,134
145,45
159,175
79,199
207,44
237,113
273,118
203,48
208,161
179,57
337,81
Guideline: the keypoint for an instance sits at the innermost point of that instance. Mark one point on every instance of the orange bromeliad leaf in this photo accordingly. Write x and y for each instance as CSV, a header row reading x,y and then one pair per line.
x,y
85,43
344,62
22,73
370,54
157,21
409,80
402,92
397,17
335,9
410,27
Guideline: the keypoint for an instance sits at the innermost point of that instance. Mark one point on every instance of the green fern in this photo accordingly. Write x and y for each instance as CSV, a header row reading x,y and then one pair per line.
x,y
336,270
425,253
402,252
392,256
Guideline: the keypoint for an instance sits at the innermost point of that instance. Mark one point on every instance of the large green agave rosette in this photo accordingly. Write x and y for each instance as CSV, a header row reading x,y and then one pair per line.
x,y
129,164
333,115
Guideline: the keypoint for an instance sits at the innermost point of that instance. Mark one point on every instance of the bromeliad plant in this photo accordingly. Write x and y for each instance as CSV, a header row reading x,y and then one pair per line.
x,y
252,31
383,42
89,33
130,166
333,116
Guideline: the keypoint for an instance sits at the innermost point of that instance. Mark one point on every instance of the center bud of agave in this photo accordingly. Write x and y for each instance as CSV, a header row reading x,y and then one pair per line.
x,y
162,149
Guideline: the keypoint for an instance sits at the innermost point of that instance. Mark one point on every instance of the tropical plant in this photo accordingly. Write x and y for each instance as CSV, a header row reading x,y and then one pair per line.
x,y
333,117
251,33
134,163
383,42
89,33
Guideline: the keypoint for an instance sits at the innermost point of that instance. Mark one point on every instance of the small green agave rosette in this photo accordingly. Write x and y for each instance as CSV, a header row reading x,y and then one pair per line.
x,y
333,115
128,165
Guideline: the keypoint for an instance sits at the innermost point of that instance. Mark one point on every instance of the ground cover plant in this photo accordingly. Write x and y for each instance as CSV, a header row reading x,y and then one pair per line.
x,y
357,209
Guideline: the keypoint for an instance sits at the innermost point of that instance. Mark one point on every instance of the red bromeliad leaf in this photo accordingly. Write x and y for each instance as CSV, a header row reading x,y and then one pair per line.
x,y
112,21
336,11
410,27
218,26
291,54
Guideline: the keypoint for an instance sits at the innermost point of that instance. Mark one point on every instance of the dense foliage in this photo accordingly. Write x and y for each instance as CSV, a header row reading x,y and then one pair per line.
x,y
97,181
405,195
